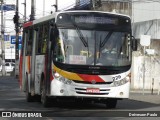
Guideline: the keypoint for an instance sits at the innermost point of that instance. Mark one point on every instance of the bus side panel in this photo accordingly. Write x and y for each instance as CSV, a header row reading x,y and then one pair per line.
x,y
27,71
33,54
23,62
23,73
20,71
39,69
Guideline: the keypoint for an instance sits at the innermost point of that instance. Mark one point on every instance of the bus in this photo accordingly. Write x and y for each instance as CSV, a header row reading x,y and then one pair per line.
x,y
63,56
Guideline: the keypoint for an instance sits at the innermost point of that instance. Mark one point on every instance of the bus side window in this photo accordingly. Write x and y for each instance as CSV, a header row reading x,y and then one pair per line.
x,y
29,42
23,41
42,39
45,38
40,31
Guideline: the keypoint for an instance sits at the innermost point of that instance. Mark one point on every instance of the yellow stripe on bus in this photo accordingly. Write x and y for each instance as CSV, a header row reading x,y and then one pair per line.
x,y
68,75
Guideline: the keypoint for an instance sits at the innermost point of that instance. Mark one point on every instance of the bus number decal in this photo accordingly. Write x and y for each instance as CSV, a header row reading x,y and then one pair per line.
x,y
116,77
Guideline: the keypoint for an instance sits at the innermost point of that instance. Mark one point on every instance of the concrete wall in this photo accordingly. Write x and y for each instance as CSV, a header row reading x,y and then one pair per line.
x,y
151,27
152,68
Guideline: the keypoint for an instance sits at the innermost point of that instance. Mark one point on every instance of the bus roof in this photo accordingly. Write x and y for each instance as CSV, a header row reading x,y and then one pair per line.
x,y
27,24
30,23
112,13
44,19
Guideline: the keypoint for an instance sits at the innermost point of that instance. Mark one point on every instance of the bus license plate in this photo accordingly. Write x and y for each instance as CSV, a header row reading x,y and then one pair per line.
x,y
93,90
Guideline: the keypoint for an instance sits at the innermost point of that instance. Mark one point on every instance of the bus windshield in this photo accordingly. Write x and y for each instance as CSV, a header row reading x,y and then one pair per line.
x,y
93,39
102,48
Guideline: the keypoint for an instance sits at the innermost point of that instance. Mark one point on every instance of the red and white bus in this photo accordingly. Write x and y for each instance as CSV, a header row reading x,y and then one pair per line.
x,y
63,55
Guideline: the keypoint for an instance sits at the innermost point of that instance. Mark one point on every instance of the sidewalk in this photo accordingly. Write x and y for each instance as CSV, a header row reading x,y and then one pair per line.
x,y
146,97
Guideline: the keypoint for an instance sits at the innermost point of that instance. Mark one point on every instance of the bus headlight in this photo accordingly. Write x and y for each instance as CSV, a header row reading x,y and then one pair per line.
x,y
56,75
64,80
121,82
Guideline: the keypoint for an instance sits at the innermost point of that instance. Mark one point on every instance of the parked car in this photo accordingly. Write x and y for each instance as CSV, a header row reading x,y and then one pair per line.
x,y
9,66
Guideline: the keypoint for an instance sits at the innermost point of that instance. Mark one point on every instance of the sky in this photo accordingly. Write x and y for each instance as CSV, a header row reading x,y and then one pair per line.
x,y
39,8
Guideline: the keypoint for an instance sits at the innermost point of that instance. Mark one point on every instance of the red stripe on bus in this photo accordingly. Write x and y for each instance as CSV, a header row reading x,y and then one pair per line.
x,y
51,76
90,78
27,24
29,64
20,71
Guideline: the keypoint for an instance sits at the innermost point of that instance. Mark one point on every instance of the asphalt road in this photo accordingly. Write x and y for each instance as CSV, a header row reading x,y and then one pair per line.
x,y
13,100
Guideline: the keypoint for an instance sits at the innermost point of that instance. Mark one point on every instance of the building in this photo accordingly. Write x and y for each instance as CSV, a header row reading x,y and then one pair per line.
x,y
8,28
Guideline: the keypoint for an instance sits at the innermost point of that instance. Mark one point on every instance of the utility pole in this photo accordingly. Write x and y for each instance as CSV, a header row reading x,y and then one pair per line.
x,y
24,10
144,41
43,8
16,22
56,6
32,16
2,41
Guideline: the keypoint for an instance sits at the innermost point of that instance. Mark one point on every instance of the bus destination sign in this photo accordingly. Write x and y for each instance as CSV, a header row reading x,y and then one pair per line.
x,y
95,20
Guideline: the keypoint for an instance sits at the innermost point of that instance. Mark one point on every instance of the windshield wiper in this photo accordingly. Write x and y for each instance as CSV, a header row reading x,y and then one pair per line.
x,y
105,39
79,33
102,43
81,36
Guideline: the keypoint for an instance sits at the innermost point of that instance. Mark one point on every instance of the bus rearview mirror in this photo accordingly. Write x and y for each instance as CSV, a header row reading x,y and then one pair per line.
x,y
134,44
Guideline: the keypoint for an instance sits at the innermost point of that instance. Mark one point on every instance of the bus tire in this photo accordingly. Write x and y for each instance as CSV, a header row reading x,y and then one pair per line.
x,y
29,98
44,98
111,103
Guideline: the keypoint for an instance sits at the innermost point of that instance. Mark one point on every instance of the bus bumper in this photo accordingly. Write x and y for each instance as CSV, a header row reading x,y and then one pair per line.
x,y
58,88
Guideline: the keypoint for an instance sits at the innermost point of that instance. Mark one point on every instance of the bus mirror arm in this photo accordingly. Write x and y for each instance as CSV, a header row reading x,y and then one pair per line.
x,y
36,29
52,23
53,33
134,44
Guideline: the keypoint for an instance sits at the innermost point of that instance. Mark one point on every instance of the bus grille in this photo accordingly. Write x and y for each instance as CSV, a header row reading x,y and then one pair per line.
x,y
84,91
86,82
